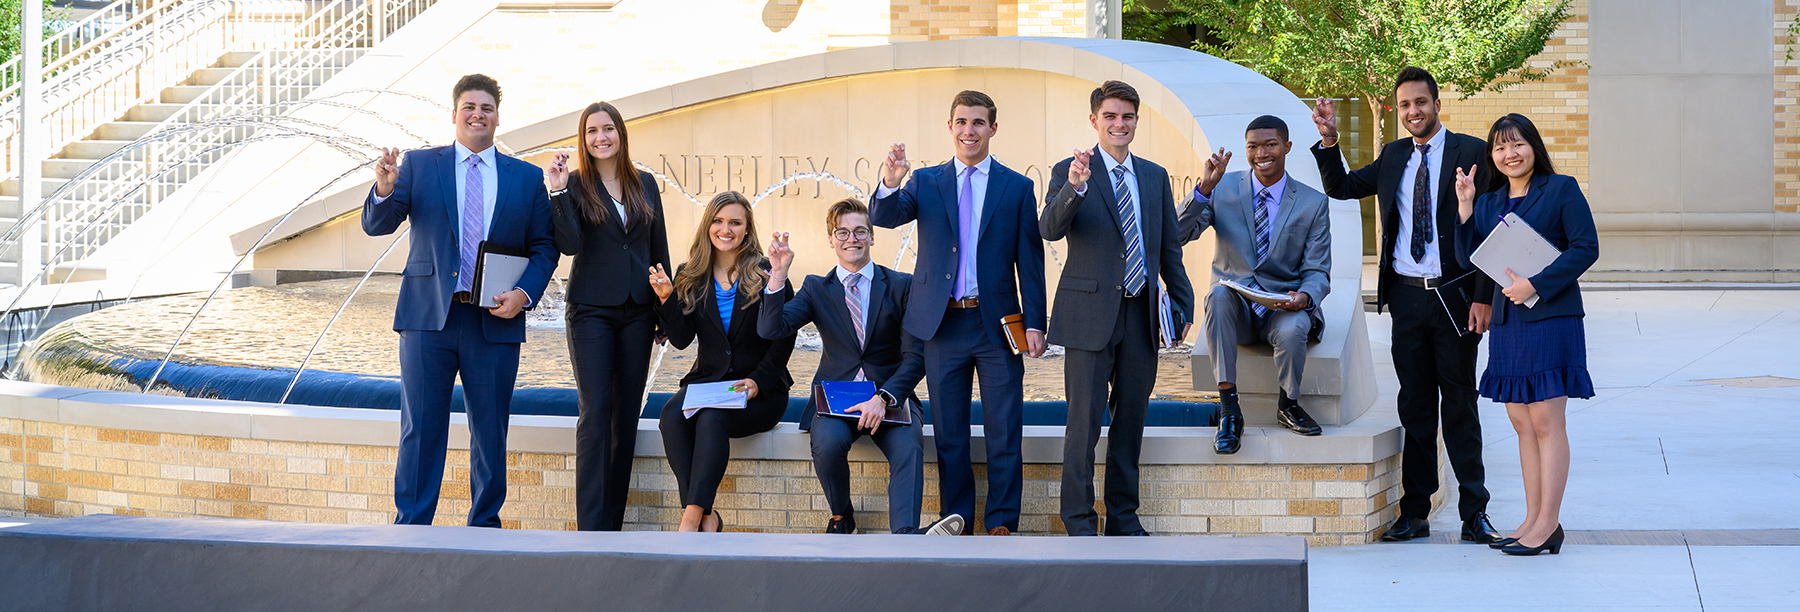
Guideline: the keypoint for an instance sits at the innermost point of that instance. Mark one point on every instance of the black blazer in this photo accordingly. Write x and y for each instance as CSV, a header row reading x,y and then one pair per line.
x,y
1556,209
1090,293
612,261
1382,177
731,354
892,358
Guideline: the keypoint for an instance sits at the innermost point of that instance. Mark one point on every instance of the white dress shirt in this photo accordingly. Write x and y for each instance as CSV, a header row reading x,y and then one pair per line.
x,y
1403,259
490,187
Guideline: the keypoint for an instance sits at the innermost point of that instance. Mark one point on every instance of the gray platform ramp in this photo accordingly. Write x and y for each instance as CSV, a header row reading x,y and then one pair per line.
x,y
133,563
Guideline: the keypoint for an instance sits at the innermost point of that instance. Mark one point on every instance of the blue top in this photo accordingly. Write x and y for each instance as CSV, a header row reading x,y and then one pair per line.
x,y
727,297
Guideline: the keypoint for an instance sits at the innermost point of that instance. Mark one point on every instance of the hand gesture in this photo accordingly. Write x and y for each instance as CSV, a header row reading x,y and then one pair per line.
x,y
1215,170
387,172
747,386
781,258
1325,116
1520,291
871,410
1465,193
558,174
893,169
659,282
1034,343
1079,170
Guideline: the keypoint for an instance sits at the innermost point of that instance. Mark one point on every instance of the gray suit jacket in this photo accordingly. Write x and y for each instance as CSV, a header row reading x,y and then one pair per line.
x,y
1089,295
1299,251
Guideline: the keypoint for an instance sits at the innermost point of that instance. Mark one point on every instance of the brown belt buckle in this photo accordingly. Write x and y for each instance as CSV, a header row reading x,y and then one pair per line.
x,y
969,302
461,297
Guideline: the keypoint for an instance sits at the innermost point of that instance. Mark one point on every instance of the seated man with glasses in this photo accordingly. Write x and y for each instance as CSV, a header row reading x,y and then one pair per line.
x,y
857,309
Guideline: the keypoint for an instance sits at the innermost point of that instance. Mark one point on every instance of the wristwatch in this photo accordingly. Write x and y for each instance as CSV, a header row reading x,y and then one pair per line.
x,y
888,398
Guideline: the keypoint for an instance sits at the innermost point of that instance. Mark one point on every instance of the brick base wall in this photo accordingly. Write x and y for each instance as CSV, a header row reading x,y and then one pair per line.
x,y
51,469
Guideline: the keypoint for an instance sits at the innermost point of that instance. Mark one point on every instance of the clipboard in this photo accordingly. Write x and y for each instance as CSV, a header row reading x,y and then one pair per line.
x,y
1514,244
497,270
833,398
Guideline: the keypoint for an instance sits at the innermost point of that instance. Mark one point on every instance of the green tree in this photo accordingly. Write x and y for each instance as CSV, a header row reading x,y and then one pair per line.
x,y
11,13
1335,47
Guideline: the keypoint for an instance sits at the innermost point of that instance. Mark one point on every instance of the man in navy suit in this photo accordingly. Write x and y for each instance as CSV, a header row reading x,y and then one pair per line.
x,y
457,197
977,227
858,308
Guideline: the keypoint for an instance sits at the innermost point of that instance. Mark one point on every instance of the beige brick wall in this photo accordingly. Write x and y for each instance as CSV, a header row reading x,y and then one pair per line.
x,y
944,19
50,469
1787,117
1557,105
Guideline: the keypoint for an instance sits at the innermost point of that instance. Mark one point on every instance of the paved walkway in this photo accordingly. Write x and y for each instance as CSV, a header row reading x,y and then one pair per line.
x,y
1685,494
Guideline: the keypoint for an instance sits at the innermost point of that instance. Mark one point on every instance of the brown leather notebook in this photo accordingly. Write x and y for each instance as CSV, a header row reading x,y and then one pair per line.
x,y
1014,324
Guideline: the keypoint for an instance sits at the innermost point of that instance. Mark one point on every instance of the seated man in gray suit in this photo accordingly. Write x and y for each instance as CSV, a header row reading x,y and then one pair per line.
x,y
1274,234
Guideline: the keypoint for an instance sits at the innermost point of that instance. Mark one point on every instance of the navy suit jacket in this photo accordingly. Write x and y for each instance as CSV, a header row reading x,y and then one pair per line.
x,y
425,194
1008,243
891,358
1556,209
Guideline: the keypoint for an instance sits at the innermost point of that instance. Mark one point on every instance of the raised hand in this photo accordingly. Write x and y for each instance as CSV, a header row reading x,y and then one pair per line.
x,y
1079,170
558,175
893,169
1325,116
659,282
781,258
1215,170
1465,193
387,172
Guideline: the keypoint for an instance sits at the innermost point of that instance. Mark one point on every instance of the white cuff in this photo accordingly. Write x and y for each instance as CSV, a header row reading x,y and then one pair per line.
x,y
882,190
378,198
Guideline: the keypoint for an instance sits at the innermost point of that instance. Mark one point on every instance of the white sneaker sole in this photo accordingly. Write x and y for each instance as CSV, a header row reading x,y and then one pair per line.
x,y
947,526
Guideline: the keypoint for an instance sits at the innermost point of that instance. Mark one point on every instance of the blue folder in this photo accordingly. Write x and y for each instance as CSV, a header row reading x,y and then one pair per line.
x,y
833,397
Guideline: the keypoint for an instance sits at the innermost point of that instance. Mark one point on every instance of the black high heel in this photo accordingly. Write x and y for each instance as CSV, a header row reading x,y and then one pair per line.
x,y
716,516
1553,544
1502,543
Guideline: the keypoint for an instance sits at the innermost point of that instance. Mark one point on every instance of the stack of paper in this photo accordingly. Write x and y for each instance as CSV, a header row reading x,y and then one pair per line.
x,y
1259,296
713,395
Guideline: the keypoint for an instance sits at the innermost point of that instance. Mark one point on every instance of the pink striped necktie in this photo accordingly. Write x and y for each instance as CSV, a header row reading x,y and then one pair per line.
x,y
853,299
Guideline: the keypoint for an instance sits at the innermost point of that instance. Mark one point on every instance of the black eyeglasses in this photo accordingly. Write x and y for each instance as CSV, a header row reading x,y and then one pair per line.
x,y
860,233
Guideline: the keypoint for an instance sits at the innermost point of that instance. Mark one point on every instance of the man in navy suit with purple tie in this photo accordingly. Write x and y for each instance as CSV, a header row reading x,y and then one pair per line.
x,y
456,197
980,259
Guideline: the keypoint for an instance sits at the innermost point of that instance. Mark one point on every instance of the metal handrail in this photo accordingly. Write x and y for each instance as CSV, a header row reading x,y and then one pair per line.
x,y
81,37
286,69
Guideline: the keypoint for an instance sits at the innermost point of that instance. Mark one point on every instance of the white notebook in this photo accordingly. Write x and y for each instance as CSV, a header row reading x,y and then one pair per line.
x,y
712,395
1514,245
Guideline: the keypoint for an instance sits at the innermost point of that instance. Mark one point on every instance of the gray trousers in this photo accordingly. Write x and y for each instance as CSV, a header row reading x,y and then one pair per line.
x,y
1230,322
1116,380
901,444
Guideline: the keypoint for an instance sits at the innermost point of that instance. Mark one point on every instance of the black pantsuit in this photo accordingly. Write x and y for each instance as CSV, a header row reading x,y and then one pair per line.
x,y
611,326
1436,369
700,448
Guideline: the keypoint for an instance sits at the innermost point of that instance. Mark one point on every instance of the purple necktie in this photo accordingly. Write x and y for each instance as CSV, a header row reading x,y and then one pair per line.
x,y
965,262
473,229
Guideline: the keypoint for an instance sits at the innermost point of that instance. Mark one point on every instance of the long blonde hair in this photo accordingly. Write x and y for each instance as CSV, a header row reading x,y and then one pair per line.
x,y
694,280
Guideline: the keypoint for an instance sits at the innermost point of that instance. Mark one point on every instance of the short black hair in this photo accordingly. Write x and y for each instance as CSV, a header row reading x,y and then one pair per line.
x,y
475,82
1268,122
974,99
1113,90
1410,74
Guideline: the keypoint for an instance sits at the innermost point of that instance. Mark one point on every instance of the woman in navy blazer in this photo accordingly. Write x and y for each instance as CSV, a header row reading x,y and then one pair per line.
x,y
1537,355
609,216
714,298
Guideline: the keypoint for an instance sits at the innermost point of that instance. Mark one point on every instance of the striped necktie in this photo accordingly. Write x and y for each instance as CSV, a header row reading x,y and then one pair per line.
x,y
853,299
474,227
1134,238
1263,229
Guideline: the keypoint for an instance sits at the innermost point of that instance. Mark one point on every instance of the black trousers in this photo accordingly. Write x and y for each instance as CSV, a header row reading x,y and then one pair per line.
x,y
1128,365
699,448
1437,383
609,348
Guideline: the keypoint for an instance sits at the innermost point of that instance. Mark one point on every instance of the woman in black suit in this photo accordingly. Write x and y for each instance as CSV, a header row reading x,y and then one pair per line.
x,y
609,216
715,298
1537,354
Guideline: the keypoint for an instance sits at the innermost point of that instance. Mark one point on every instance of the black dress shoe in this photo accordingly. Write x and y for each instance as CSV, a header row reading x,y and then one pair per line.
x,y
1501,543
1407,528
847,524
1288,414
1479,529
1231,433
1553,544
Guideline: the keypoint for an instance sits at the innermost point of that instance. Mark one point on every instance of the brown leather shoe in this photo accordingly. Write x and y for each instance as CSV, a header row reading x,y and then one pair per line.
x,y
1001,530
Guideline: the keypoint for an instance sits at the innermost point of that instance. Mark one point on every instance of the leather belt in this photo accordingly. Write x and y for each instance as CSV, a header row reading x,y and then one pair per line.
x,y
461,297
1422,283
968,302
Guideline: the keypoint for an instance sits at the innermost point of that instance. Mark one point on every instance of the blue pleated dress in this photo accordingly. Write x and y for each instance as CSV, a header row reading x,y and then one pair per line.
x,y
1533,361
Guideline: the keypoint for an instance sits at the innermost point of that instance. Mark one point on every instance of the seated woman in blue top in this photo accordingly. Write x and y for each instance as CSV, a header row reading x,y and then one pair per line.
x,y
714,298
1537,356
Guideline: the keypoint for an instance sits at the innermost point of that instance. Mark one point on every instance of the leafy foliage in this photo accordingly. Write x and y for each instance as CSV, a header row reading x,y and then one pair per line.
x,y
11,13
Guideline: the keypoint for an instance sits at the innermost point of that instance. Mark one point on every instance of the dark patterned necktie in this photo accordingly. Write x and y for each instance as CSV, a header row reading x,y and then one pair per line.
x,y
1263,230
1421,204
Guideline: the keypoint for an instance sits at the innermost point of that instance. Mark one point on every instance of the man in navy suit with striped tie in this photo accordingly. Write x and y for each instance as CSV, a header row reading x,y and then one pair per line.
x,y
980,259
456,197
1123,252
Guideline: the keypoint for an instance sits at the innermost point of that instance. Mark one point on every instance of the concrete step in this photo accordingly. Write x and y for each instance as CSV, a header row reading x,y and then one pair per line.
x,y
93,149
10,187
65,168
182,94
234,59
152,112
9,207
125,130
